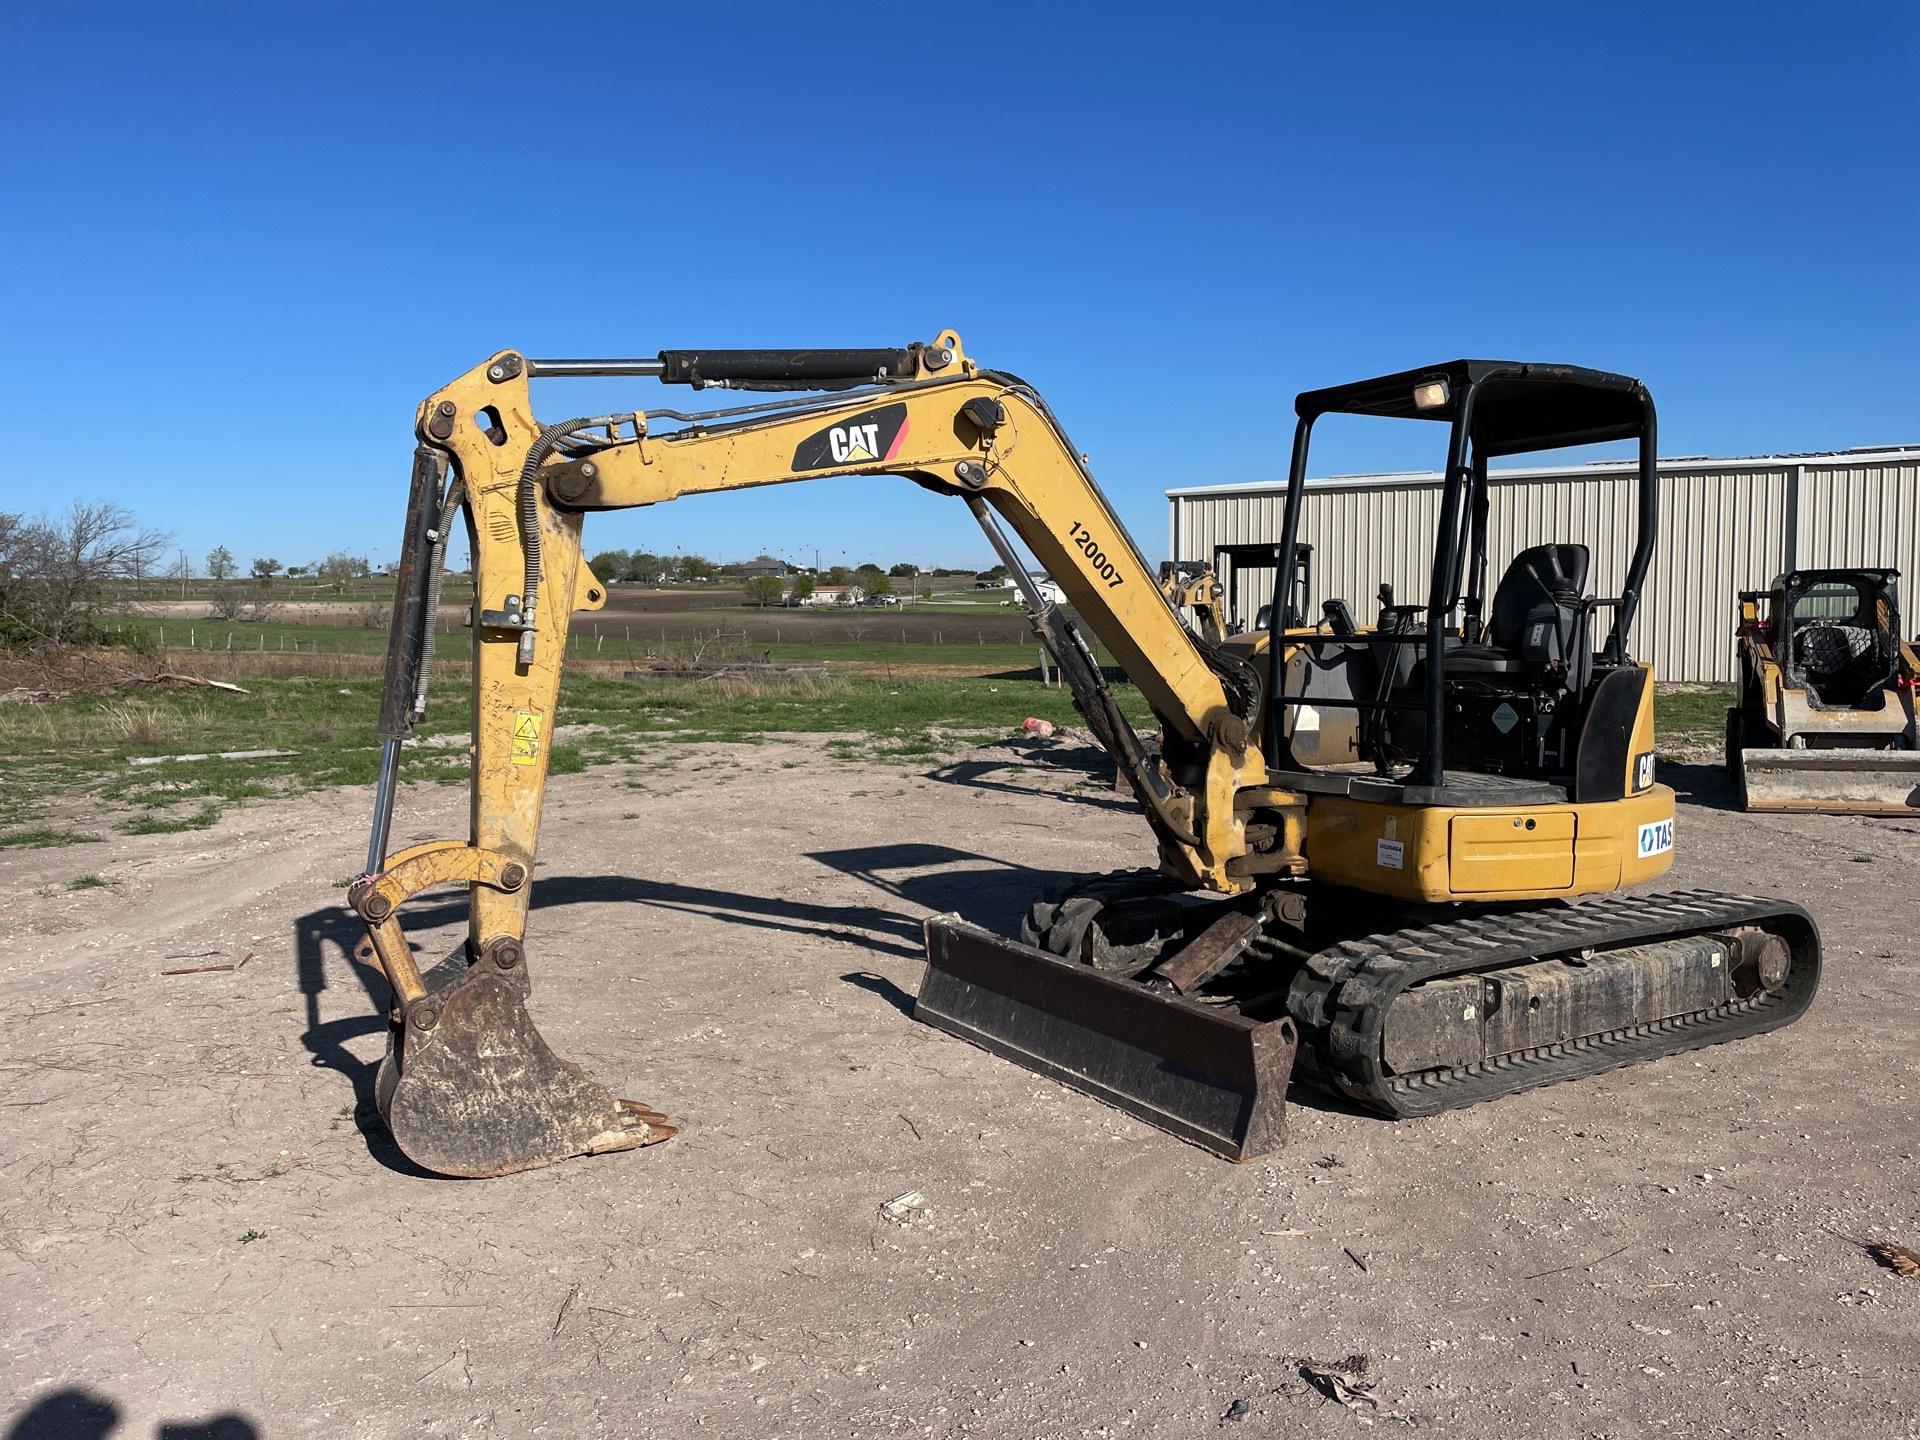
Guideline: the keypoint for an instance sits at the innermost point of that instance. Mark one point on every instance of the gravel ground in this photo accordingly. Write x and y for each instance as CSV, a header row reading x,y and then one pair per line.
x,y
204,1234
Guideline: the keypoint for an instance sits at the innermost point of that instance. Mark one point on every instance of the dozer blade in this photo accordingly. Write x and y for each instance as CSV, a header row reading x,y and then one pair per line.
x,y
1834,782
471,1089
1207,1075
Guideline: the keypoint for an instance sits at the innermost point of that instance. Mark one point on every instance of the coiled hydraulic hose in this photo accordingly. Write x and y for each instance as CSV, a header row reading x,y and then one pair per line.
x,y
530,517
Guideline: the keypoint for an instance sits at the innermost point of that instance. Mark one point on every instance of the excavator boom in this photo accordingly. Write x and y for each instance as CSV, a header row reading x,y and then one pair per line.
x,y
469,1086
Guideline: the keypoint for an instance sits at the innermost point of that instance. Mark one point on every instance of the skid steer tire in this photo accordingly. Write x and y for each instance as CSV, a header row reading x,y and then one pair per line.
x,y
1111,922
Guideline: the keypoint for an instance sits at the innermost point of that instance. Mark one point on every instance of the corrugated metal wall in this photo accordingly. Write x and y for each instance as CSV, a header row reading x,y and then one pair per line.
x,y
1854,514
1724,527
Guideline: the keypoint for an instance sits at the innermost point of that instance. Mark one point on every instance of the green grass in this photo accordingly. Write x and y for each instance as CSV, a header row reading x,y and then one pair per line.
x,y
45,838
280,638
610,646
86,882
151,824
1698,716
903,711
83,745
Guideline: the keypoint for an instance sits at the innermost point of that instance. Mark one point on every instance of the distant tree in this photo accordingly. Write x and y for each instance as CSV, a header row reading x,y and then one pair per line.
x,y
696,567
266,569
802,586
903,569
55,572
993,576
340,569
220,563
873,580
296,572
765,590
241,600
611,564
839,575
645,568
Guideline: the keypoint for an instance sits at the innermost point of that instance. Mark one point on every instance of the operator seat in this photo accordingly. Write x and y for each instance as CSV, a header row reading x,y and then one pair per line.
x,y
1537,626
1842,664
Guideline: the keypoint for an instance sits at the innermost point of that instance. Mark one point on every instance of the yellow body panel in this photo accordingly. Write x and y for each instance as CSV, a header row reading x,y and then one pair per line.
x,y
1491,853
1437,853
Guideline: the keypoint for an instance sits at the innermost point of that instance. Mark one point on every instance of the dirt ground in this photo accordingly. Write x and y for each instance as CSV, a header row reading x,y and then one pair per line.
x,y
204,1234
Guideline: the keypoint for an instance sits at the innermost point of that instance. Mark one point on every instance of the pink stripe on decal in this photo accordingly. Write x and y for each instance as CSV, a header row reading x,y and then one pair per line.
x,y
906,423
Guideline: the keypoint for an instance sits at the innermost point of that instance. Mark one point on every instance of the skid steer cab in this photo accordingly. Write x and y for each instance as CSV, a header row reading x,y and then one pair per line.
x,y
1825,719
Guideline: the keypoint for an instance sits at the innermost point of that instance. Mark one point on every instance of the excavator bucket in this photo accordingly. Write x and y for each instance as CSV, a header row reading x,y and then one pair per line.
x,y
1201,1072
469,1088
1833,782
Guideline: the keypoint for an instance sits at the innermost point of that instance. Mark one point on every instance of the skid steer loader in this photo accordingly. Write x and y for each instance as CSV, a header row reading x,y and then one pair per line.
x,y
1498,763
1827,687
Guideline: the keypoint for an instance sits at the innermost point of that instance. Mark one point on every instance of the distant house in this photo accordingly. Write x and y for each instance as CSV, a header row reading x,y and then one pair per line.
x,y
1048,591
754,568
835,595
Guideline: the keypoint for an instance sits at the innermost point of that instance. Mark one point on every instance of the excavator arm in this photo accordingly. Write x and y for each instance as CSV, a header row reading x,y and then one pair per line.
x,y
469,1087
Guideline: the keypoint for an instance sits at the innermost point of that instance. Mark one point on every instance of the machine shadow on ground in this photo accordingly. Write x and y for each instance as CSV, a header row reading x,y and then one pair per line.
x,y
1085,761
981,890
988,892
1700,784
77,1414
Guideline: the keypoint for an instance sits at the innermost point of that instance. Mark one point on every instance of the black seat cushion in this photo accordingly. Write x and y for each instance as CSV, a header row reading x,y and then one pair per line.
x,y
1482,660
1554,574
1541,590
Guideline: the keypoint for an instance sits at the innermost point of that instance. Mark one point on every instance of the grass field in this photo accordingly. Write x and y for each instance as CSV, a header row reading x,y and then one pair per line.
x,y
313,690
997,642
88,745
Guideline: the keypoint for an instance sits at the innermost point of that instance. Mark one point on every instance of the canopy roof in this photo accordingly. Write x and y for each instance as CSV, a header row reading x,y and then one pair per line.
x,y
1517,407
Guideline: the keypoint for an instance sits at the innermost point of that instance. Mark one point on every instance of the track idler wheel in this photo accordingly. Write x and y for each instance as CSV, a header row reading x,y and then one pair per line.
x,y
469,1087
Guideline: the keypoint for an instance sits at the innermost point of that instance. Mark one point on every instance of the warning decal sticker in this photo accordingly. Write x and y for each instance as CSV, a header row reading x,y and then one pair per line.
x,y
526,738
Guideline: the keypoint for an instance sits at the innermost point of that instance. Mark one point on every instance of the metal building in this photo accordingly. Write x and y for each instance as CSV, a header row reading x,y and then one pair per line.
x,y
1725,526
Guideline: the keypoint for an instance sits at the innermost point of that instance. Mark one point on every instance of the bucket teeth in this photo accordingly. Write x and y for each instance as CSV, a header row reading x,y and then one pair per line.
x,y
472,1089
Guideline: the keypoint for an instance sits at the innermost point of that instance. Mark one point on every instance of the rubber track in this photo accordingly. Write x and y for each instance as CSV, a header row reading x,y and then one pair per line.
x,y
1341,997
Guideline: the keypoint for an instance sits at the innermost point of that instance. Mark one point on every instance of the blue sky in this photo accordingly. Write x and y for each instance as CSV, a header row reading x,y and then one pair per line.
x,y
242,241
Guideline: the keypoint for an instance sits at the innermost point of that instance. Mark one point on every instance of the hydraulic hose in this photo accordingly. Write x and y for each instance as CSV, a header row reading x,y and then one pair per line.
x,y
530,517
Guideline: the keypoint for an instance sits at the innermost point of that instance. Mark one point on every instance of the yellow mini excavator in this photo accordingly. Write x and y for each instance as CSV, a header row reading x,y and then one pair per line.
x,y
1368,835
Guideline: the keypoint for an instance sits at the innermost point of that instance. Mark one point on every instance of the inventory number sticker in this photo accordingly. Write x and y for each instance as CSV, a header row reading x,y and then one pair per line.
x,y
1656,838
526,738
1390,853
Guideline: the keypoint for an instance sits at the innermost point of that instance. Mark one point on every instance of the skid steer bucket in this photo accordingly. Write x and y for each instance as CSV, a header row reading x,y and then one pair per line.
x,y
1834,782
1205,1074
469,1088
